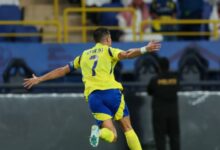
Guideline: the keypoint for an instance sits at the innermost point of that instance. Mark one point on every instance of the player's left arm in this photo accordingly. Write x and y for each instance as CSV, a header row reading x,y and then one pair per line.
x,y
56,73
152,46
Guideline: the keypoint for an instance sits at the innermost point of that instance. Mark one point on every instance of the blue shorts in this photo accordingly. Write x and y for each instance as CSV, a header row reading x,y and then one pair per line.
x,y
107,104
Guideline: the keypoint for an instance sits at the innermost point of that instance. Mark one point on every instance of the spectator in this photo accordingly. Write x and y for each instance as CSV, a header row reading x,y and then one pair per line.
x,y
94,17
215,14
126,20
207,10
191,10
105,18
163,89
110,19
163,10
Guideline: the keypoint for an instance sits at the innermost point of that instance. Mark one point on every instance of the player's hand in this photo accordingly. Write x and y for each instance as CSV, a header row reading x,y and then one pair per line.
x,y
29,82
153,46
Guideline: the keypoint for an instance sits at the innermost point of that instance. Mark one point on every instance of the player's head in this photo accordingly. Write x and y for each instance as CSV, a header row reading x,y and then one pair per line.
x,y
102,35
164,64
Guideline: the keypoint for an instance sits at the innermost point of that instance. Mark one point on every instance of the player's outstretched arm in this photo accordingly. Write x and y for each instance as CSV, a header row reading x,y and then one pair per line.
x,y
59,72
152,46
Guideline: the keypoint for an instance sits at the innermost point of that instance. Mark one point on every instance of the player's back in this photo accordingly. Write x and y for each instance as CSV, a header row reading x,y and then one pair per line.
x,y
97,65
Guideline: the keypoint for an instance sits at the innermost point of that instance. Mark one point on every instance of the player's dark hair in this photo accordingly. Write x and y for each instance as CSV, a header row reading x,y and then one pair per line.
x,y
99,34
164,64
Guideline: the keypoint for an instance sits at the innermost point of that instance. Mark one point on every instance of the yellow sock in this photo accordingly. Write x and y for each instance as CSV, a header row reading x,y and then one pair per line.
x,y
107,135
132,140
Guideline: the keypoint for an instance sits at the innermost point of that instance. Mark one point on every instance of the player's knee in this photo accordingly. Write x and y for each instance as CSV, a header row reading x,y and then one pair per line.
x,y
126,124
127,127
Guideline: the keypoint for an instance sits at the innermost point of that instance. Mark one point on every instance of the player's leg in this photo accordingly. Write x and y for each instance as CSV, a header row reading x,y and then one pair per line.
x,y
122,115
103,115
108,131
131,137
105,131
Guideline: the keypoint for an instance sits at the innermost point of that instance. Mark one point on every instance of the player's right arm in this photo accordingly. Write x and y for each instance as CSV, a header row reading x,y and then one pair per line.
x,y
57,73
135,52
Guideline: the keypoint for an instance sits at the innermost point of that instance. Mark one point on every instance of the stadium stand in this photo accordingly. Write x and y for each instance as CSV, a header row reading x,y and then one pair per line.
x,y
9,13
193,67
14,73
146,67
27,29
16,70
110,19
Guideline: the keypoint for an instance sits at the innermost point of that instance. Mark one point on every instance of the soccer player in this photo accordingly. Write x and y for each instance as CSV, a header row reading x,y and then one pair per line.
x,y
102,91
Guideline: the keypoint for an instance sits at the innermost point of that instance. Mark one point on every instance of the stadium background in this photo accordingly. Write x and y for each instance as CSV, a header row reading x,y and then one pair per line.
x,y
39,35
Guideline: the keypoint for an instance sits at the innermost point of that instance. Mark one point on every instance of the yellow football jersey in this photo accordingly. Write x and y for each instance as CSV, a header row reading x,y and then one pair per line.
x,y
97,66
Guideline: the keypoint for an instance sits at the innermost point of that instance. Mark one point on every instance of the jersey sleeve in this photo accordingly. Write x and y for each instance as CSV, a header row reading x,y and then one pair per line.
x,y
75,64
113,52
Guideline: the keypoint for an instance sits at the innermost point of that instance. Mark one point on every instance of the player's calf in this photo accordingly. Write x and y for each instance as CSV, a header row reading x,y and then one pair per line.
x,y
108,135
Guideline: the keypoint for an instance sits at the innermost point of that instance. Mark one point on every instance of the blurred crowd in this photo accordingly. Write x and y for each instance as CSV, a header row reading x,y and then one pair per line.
x,y
157,10
145,10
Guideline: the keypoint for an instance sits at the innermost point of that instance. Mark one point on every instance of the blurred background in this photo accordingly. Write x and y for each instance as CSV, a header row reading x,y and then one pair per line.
x,y
37,36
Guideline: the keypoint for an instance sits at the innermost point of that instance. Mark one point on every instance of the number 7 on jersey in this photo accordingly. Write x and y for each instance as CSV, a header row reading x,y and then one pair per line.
x,y
95,59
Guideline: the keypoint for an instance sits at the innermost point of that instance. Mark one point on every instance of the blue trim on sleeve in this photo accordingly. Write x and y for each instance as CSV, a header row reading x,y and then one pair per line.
x,y
70,64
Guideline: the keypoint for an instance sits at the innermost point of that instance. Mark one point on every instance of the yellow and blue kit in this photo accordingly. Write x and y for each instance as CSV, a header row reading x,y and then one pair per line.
x,y
102,91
